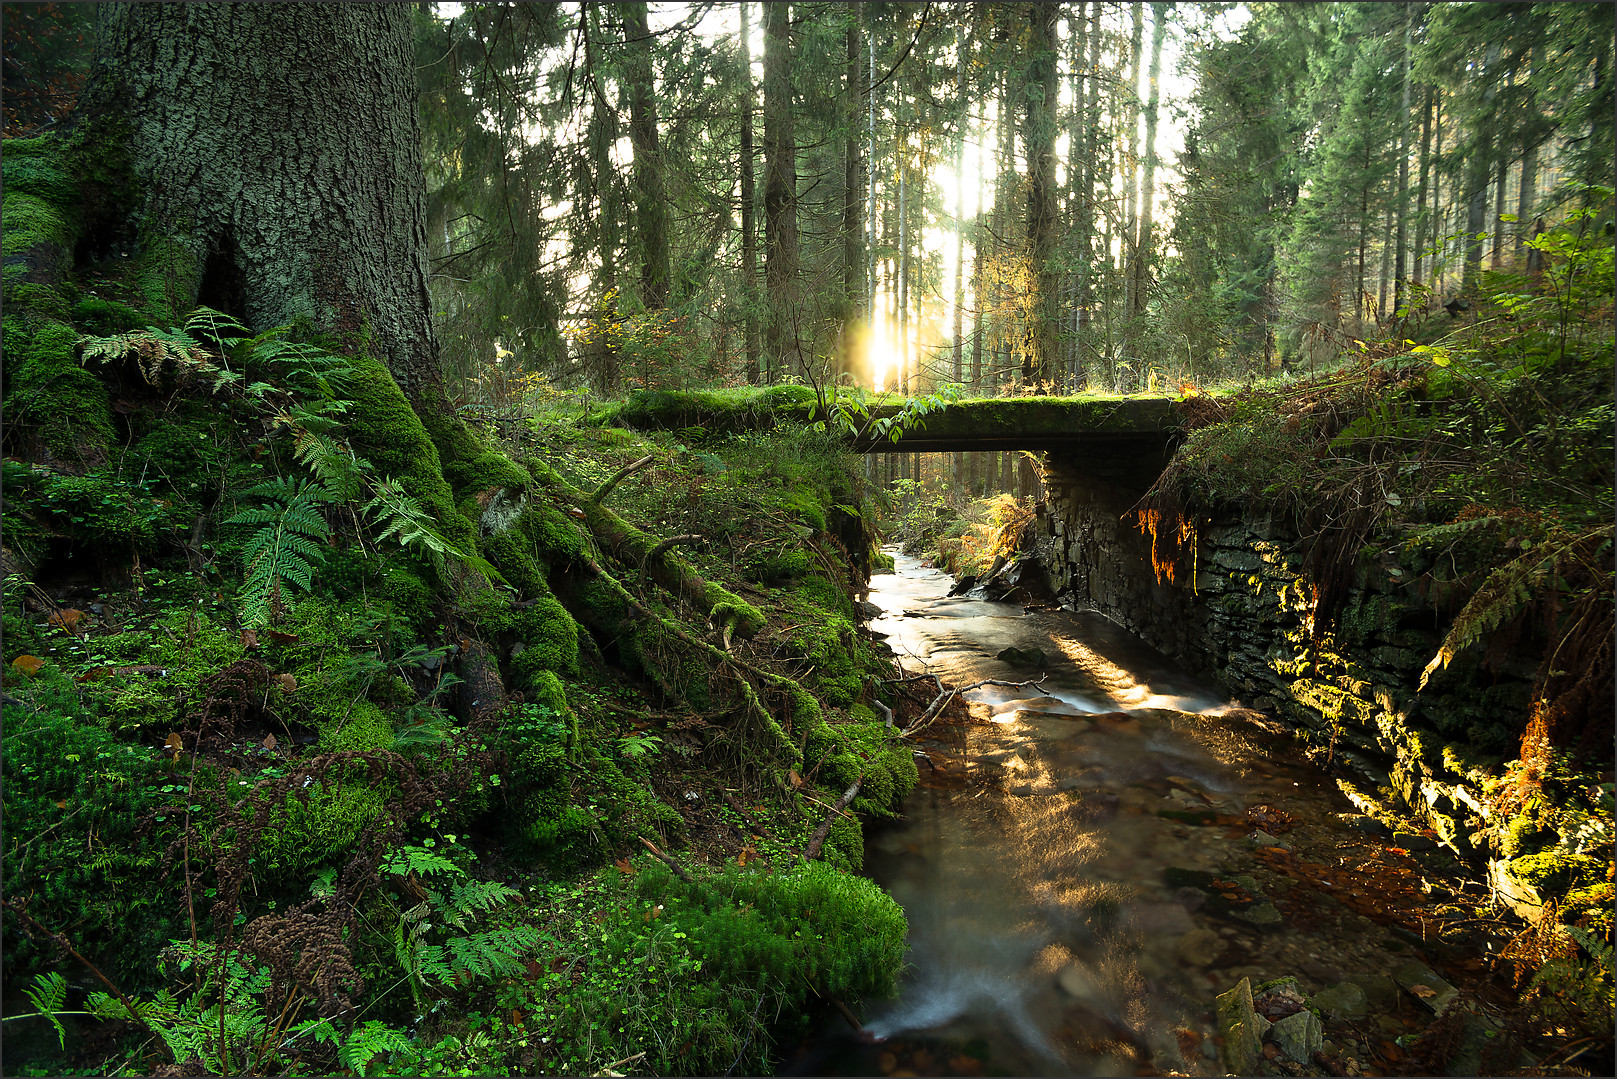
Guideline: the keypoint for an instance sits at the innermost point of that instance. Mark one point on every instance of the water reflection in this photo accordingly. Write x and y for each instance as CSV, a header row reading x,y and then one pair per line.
x,y
1043,939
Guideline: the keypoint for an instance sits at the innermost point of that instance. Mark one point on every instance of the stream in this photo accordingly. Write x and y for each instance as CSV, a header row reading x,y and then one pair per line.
x,y
1080,867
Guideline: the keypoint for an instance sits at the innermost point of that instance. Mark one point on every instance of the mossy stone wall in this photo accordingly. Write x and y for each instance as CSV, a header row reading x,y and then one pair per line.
x,y
1242,617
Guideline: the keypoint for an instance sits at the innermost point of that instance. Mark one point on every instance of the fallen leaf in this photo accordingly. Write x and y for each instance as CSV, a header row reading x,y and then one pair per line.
x,y
62,804
249,638
289,684
174,742
741,859
793,778
68,619
1423,991
269,741
27,664
624,866
282,638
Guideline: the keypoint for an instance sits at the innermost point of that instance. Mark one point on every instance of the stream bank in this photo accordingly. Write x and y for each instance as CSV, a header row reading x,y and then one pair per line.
x,y
1099,871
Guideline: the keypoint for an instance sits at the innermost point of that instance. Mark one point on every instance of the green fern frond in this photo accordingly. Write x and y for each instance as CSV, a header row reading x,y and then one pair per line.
x,y
420,861
49,996
288,545
1507,592
371,1039
151,350
205,323
333,463
404,520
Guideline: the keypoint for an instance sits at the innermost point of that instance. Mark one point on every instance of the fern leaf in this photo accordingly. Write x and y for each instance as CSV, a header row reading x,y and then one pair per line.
x,y
286,547
49,996
371,1039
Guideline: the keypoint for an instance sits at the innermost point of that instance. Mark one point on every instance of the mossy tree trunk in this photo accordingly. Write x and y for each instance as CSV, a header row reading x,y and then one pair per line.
x,y
277,151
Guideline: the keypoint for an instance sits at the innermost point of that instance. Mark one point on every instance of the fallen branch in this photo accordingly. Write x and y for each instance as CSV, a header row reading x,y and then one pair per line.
x,y
846,1014
668,544
817,840
932,712
886,712
666,860
620,475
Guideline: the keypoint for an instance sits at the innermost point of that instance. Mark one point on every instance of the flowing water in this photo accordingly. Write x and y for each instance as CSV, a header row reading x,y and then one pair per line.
x,y
1043,863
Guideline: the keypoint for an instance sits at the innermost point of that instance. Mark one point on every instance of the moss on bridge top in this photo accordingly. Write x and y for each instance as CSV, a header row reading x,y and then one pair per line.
x,y
984,422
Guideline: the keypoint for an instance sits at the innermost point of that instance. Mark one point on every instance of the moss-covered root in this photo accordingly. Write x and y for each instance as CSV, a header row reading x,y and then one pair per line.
x,y
663,649
730,616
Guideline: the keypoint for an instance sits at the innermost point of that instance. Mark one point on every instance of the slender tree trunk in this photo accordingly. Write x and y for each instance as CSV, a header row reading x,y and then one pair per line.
x,y
651,204
870,184
1399,268
901,143
1439,239
602,136
749,201
1039,140
962,47
1387,227
1477,181
1496,258
853,259
977,289
1422,228
1142,249
1130,222
780,196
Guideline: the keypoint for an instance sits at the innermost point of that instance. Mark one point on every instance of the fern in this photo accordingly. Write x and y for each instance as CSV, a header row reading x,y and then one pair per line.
x,y
371,1039
420,861
286,547
403,519
1508,591
49,996
152,350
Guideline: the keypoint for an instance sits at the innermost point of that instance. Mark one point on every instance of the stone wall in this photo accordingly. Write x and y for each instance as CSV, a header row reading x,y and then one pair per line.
x,y
1244,621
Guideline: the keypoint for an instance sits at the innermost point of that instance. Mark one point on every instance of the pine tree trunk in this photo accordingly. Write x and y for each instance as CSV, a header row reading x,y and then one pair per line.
x,y
1039,139
1131,161
280,151
780,196
1400,263
602,136
749,226
651,204
1142,249
962,47
853,259
1421,219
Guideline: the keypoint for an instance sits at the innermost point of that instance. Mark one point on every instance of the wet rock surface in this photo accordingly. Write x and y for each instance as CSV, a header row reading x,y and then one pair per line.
x,y
1089,889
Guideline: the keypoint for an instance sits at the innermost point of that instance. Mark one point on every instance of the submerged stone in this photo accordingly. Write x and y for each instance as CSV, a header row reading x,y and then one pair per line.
x,y
1242,1029
1299,1036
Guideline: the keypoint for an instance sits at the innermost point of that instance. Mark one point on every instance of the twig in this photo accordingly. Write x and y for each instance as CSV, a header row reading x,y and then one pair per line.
x,y
622,474
932,712
666,860
846,1014
886,712
62,942
817,840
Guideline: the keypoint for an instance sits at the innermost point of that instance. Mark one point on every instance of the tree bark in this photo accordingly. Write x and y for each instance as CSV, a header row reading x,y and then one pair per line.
x,y
1421,222
853,261
749,227
651,204
1142,248
280,150
1400,262
1039,139
780,195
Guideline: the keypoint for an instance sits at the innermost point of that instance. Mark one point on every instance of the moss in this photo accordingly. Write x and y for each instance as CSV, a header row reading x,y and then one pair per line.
x,y
847,838
715,411
306,833
550,639
512,554
387,432
547,691
403,589
106,317
556,538
1557,871
168,278
26,221
365,728
50,392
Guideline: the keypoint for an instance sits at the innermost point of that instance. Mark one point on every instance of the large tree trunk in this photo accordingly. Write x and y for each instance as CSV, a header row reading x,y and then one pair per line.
x,y
279,150
780,195
651,205
853,199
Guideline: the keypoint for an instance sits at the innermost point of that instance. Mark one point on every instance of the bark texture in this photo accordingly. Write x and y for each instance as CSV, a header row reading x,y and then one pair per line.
x,y
279,148
780,194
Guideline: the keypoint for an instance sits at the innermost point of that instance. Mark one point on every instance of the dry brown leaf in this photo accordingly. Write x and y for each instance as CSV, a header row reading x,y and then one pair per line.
x,y
27,664
269,741
1425,992
249,638
793,778
175,742
282,638
289,684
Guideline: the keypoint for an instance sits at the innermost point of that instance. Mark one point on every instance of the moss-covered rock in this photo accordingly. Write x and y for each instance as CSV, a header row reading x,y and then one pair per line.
x,y
63,406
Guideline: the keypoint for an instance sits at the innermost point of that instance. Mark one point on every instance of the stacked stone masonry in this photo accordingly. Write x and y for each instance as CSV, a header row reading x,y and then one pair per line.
x,y
1242,617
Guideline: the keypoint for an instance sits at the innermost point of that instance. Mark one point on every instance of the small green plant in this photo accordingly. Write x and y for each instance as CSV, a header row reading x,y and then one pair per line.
x,y
286,547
